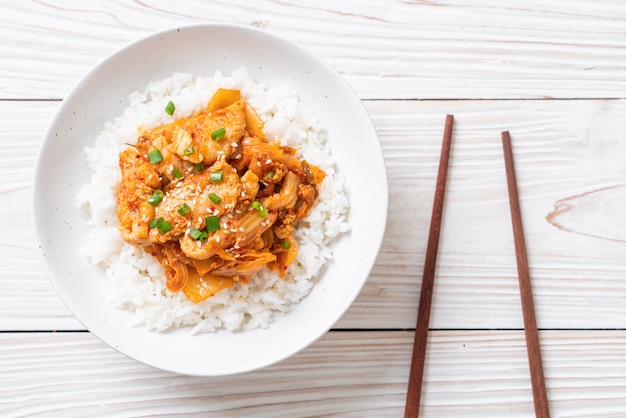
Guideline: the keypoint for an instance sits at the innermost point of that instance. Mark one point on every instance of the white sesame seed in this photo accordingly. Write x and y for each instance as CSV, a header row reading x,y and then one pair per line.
x,y
258,163
242,229
233,230
233,144
268,161
238,156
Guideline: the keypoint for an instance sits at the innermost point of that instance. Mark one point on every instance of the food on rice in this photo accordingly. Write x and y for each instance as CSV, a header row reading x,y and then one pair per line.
x,y
211,200
275,123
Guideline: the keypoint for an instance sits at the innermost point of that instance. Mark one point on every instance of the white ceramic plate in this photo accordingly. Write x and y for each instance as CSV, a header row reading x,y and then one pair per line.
x,y
202,49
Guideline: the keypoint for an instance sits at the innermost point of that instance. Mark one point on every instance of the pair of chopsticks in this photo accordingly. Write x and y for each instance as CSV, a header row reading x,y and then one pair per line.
x,y
418,357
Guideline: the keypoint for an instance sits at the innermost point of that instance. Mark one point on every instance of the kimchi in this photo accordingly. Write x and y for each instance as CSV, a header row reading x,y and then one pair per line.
x,y
212,199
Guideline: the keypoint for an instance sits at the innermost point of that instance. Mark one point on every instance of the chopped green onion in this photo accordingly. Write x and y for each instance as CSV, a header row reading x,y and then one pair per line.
x,y
177,174
184,209
285,244
196,234
263,211
164,226
161,224
156,197
270,175
198,167
170,108
218,134
216,176
215,198
155,222
189,150
212,223
155,156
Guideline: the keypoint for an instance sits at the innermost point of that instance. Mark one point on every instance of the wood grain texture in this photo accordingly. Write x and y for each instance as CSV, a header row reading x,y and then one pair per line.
x,y
397,50
418,357
469,374
565,149
533,348
413,62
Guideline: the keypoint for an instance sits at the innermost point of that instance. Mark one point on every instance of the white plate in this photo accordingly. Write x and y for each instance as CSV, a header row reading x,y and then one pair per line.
x,y
202,49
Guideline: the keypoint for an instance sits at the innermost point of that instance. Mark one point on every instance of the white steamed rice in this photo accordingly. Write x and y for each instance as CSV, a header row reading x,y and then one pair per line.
x,y
136,281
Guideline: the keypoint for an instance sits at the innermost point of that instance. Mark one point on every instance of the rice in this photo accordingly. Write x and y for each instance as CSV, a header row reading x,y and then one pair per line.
x,y
136,281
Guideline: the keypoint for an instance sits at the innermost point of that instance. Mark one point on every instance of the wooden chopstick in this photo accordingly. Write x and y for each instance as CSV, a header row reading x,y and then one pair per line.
x,y
418,358
528,309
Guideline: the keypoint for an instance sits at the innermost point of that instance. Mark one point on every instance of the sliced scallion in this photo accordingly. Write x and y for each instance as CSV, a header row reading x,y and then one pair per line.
x,y
198,167
155,222
155,156
156,197
164,226
212,223
189,150
218,134
184,209
216,176
161,224
177,174
198,235
215,198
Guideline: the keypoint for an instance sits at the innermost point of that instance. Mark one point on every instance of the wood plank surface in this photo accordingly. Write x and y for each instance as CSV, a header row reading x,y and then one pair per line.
x,y
393,50
552,73
362,374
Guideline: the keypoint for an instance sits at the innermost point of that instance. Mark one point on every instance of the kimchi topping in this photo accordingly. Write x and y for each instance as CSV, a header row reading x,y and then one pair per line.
x,y
212,199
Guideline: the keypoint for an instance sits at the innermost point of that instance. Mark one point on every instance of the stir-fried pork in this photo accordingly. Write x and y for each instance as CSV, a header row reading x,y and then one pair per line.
x,y
212,200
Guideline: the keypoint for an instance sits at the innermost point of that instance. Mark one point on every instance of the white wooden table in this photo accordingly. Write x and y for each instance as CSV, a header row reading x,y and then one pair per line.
x,y
553,73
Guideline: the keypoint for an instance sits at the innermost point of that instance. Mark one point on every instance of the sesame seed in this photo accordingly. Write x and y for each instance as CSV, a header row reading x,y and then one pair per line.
x,y
233,144
233,230
238,156
258,163
237,211
241,229
268,161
